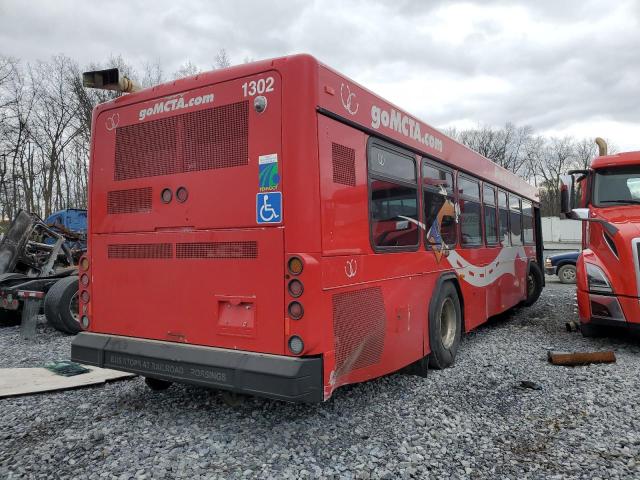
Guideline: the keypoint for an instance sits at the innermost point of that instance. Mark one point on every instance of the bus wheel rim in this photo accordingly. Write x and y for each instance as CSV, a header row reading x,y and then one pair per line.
x,y
447,323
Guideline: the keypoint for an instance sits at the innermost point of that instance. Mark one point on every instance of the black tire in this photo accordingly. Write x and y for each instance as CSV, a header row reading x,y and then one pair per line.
x,y
156,384
60,303
567,273
534,284
445,327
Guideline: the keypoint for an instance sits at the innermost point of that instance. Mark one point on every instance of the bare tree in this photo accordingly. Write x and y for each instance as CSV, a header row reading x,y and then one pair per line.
x,y
187,69
222,59
53,126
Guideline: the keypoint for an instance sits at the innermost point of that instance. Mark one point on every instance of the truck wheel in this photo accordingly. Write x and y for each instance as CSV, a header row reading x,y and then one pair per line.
x,y
61,305
156,384
534,284
445,327
567,274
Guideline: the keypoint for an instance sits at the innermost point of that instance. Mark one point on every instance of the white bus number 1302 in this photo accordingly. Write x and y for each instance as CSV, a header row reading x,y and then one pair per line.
x,y
258,87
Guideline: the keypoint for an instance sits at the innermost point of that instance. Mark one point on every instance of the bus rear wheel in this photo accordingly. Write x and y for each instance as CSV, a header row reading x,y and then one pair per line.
x,y
445,327
534,284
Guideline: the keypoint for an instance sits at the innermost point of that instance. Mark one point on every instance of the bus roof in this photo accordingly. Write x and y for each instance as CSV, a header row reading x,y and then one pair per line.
x,y
356,104
346,100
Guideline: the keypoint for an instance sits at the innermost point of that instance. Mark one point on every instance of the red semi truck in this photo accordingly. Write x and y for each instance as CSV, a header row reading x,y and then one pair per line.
x,y
607,197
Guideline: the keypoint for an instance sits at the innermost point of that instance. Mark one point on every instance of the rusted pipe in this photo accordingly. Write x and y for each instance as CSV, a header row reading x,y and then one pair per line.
x,y
570,359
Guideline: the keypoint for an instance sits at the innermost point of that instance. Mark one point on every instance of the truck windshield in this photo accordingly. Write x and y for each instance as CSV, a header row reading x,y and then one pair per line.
x,y
616,186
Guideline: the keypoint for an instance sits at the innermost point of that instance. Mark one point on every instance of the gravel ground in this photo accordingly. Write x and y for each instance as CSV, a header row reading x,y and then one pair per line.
x,y
471,421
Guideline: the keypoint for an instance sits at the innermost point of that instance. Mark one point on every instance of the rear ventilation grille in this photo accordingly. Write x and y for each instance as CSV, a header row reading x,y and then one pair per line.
x,y
217,250
201,140
359,328
216,138
344,164
146,149
140,250
133,200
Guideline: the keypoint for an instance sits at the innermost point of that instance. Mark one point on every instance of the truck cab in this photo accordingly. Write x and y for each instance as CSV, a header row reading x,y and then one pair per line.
x,y
606,198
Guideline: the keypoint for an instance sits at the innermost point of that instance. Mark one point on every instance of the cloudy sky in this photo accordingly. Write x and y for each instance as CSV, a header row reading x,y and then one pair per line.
x,y
569,67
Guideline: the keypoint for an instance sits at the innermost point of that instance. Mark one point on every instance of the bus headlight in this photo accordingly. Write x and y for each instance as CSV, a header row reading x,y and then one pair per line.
x,y
597,280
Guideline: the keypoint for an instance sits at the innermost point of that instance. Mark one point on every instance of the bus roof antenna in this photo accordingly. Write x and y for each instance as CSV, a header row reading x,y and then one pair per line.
x,y
602,146
109,79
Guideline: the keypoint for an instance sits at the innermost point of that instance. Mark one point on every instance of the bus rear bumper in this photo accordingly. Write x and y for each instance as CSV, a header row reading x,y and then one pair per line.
x,y
279,377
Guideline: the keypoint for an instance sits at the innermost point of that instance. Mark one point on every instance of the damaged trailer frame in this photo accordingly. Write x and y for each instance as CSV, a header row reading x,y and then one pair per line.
x,y
36,265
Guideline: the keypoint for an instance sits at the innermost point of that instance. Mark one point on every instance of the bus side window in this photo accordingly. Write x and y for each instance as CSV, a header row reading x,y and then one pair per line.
x,y
439,206
515,219
490,214
393,188
503,218
470,212
527,223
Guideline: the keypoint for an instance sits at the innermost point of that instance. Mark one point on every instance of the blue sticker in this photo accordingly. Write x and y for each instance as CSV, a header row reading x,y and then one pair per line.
x,y
269,207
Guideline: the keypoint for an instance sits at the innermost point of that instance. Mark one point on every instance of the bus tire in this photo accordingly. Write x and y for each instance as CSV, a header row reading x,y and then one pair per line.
x,y
156,384
445,327
60,304
534,284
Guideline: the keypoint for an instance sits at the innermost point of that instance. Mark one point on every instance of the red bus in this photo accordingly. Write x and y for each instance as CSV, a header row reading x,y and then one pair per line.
x,y
278,230
607,201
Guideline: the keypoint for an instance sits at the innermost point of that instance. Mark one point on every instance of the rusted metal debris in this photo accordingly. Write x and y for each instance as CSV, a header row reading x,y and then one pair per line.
x,y
570,359
572,326
530,385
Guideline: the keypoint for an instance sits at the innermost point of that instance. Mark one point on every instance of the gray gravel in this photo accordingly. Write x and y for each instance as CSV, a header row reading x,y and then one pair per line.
x,y
471,421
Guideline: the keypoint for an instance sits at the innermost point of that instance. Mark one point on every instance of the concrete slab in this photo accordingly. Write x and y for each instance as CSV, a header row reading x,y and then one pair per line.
x,y
27,381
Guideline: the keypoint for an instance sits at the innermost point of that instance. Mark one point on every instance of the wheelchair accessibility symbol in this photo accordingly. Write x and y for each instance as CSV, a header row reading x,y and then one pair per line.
x,y
269,207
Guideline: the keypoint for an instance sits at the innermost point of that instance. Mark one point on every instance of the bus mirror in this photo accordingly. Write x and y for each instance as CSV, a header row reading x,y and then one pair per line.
x,y
566,195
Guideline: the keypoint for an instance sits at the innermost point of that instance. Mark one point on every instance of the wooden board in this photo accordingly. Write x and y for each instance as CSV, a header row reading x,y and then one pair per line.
x,y
26,381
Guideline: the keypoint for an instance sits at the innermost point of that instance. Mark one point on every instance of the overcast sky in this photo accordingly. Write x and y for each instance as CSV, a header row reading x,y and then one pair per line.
x,y
564,67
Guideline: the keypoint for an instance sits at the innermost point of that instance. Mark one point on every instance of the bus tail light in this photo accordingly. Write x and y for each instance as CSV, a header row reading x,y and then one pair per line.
x,y
295,288
296,345
84,279
295,266
84,264
84,296
84,322
296,311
